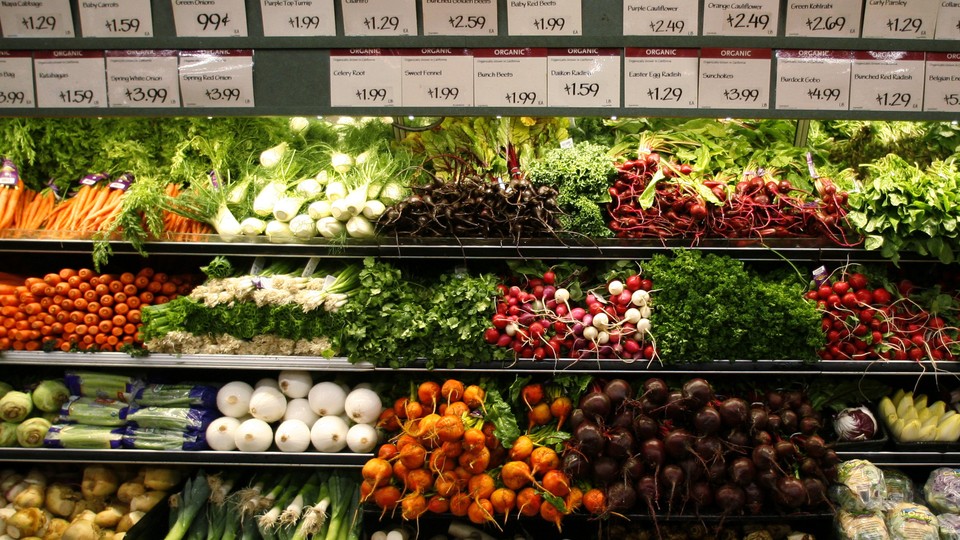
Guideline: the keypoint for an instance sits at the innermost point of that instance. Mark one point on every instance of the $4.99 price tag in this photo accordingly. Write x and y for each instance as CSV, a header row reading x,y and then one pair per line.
x,y
297,18
823,19
216,78
143,79
813,80
37,18
510,77
942,89
661,18
463,18
887,81
900,19
437,78
758,18
365,78
545,17
735,78
210,18
379,17
70,79
16,79
130,18
583,78
661,78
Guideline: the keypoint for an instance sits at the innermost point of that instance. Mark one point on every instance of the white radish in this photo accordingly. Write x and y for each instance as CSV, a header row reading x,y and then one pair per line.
x,y
221,434
615,287
562,296
253,435
640,298
292,436
363,405
601,321
329,434
327,398
268,404
233,398
362,438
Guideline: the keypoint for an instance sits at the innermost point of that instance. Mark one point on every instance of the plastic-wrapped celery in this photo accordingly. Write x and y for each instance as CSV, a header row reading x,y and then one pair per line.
x,y
176,395
93,412
172,418
78,436
102,385
164,439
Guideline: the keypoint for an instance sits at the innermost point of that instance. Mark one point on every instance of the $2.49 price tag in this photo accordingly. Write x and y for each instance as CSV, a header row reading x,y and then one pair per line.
x,y
217,78
70,79
813,80
661,18
735,78
210,18
757,18
143,78
365,78
16,79
887,81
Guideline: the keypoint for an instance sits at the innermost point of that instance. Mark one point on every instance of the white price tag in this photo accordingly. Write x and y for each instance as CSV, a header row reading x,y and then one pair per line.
x,y
887,81
210,18
70,79
756,18
900,19
942,89
583,77
365,78
735,78
510,77
379,17
217,78
462,18
544,18
129,18
813,80
296,18
16,80
948,20
36,19
437,77
824,19
661,78
661,18
143,79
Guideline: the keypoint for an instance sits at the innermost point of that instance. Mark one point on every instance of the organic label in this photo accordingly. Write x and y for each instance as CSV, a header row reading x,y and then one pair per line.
x,y
461,18
379,17
544,18
583,78
16,80
143,79
887,81
661,78
70,79
36,18
210,18
756,18
823,19
365,78
437,78
130,18
661,17
735,78
942,89
298,18
900,19
510,77
813,80
216,78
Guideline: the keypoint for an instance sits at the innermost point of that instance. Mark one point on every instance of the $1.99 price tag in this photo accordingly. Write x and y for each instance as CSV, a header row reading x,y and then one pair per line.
x,y
813,80
210,18
463,18
900,19
379,17
130,18
942,89
143,79
735,78
661,78
437,78
16,79
887,81
298,18
217,78
545,17
70,79
510,77
583,78
365,78
757,18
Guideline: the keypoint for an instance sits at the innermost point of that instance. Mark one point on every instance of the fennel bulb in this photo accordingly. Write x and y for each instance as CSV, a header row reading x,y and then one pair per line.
x,y
319,209
303,226
360,227
287,208
330,227
271,157
267,198
252,226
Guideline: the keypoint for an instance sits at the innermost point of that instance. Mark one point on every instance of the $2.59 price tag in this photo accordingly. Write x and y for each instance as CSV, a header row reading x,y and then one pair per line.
x,y
758,18
365,78
298,18
813,80
70,79
379,17
545,17
130,18
36,19
942,89
887,81
735,78
143,79
210,18
217,78
661,78
16,79
900,19
583,77
463,18
510,77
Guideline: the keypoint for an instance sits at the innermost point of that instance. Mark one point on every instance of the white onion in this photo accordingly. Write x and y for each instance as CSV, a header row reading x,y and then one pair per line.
x,y
268,404
295,384
299,409
267,381
363,405
233,399
362,438
329,434
221,434
253,435
327,398
292,436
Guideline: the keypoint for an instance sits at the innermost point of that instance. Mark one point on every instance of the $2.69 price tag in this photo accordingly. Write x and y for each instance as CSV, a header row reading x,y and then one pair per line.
x,y
735,78
823,19
813,80
365,78
887,81
16,79
143,79
217,78
70,79
210,18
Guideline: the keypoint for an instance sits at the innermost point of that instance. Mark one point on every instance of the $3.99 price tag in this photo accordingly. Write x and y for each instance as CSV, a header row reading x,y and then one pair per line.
x,y
583,77
942,89
217,78
143,79
210,18
813,80
36,19
298,18
900,19
70,79
887,81
735,78
379,17
130,18
365,78
16,79
510,77
437,78
661,78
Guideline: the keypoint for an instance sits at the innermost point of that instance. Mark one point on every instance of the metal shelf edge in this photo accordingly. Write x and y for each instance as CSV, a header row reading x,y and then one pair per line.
x,y
173,457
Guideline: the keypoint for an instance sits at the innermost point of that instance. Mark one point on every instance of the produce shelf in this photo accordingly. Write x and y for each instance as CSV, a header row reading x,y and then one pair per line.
x,y
199,361
892,458
173,457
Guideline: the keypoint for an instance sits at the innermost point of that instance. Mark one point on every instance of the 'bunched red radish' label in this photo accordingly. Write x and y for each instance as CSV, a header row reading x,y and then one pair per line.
x,y
887,81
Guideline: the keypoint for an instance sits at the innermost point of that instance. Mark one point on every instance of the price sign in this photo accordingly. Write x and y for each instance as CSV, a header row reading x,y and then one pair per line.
x,y
823,19
661,18
735,78
756,18
210,18
129,18
948,21
70,79
142,78
16,80
216,78
544,18
813,80
900,19
510,77
661,78
365,78
887,81
942,89
379,17
36,19
437,78
583,77
298,18
462,18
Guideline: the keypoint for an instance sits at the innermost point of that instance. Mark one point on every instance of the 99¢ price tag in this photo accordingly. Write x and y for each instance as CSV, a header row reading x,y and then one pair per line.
x,y
735,78
379,17
463,18
130,18
942,89
545,18
437,78
661,78
813,80
216,78
583,78
298,18
16,80
756,18
948,21
900,19
823,19
36,19
510,77
142,79
70,79
210,18
365,78
887,81
661,18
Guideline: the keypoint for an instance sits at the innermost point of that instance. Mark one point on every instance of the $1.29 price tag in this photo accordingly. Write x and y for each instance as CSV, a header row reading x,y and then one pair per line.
x,y
887,81
217,78
143,79
823,19
757,18
365,78
210,18
900,19
298,18
379,17
16,79
735,78
661,78
437,78
510,77
70,79
36,19
130,18
545,17
942,89
463,18
813,80
661,18
583,78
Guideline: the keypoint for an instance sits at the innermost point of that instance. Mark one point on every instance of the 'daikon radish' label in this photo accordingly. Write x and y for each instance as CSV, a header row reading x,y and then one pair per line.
x,y
460,18
510,77
36,19
16,80
130,18
210,18
583,78
661,18
661,78
900,19
544,18
70,79
298,18
379,17
813,80
823,19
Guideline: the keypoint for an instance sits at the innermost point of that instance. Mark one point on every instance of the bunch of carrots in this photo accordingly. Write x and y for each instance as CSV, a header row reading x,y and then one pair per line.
x,y
447,459
81,310
175,223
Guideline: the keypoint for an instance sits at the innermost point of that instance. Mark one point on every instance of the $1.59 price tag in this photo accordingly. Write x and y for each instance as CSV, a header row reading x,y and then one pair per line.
x,y
661,78
900,19
887,81
463,18
130,18
216,78
758,18
735,78
16,79
210,18
510,77
365,78
942,89
70,79
545,17
142,79
813,80
298,18
822,19
437,78
661,18
379,17
583,77
36,19
948,21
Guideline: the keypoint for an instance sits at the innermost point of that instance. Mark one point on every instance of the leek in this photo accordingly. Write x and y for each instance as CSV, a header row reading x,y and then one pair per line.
x,y
191,500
